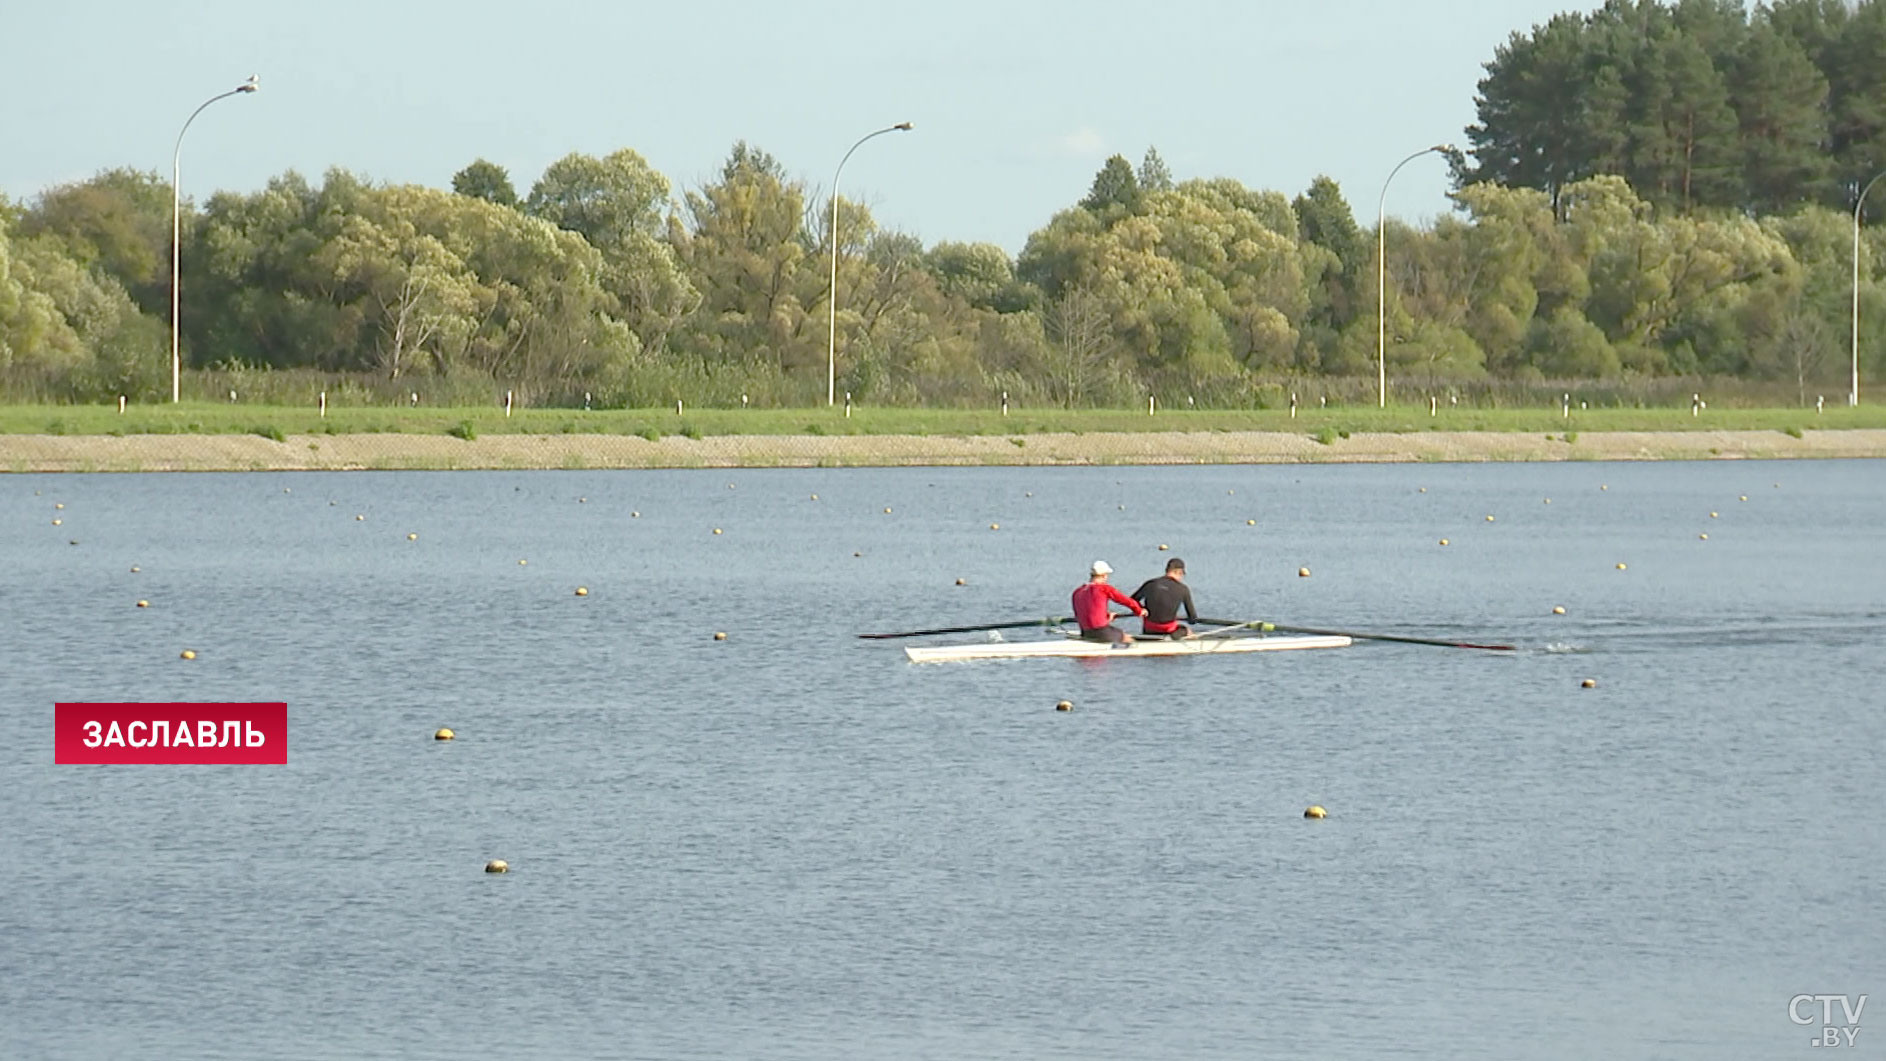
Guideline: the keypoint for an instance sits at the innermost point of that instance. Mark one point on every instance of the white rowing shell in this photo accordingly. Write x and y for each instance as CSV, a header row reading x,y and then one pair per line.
x,y
1200,646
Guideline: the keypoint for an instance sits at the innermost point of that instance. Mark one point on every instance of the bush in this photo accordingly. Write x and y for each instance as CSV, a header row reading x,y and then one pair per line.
x,y
463,429
269,431
650,434
1792,431
1326,436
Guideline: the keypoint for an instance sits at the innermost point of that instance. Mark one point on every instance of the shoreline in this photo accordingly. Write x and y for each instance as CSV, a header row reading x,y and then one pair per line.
x,y
414,452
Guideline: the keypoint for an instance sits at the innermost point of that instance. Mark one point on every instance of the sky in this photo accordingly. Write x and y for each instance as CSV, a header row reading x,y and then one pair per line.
x,y
1016,103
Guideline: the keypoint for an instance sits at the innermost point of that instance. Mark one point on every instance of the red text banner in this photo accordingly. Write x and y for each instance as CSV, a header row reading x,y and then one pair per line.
x,y
133,734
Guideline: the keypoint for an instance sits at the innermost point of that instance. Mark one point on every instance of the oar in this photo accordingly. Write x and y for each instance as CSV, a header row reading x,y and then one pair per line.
x,y
1052,620
1261,625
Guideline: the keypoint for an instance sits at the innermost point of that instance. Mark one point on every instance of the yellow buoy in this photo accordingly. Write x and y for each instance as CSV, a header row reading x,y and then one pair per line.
x,y
60,504
582,500
730,486
815,497
1620,567
135,570
1489,519
1303,572
1443,541
1250,523
1163,547
716,530
1704,537
1744,497
186,654
1712,515
1064,705
144,604
1558,609
720,635
522,563
1423,490
444,734
412,537
582,591
962,582
1028,493
497,865
995,526
1123,508
58,522
1315,811
360,519
635,515
1602,487
1588,683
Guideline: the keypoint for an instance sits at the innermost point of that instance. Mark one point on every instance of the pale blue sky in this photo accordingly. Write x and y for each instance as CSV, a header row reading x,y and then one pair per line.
x,y
1016,102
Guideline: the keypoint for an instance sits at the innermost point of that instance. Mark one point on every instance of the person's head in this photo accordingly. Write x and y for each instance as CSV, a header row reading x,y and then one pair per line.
x,y
1099,571
1175,568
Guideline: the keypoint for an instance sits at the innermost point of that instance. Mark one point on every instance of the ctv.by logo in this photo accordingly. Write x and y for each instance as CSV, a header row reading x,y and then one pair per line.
x,y
1801,1011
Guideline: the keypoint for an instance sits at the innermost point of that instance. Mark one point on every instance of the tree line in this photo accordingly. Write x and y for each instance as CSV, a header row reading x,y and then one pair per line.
x,y
1698,104
601,283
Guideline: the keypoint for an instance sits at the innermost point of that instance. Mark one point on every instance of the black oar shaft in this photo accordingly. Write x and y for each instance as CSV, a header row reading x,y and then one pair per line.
x,y
1360,636
1052,620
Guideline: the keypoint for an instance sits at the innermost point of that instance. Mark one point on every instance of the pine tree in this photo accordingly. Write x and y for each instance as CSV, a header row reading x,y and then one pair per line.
x,y
1154,176
1781,103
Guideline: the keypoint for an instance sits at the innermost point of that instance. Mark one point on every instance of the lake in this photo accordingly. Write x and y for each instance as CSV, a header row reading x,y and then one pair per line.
x,y
793,843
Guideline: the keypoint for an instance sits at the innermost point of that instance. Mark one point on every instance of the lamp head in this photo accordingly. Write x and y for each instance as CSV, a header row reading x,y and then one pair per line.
x,y
902,127
251,85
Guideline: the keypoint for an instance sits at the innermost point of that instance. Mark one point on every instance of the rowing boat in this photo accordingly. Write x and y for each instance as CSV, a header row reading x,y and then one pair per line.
x,y
1075,647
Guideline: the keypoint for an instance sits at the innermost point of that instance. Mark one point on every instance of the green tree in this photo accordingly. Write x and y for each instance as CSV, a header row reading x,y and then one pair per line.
x,y
119,222
607,200
485,180
1154,175
1781,103
1115,189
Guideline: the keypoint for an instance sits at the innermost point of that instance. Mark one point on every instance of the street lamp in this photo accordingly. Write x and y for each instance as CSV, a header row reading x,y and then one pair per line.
x,y
831,336
176,230
1381,269
1853,396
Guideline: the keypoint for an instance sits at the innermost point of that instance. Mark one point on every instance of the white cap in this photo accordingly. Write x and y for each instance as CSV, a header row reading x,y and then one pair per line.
x,y
1101,567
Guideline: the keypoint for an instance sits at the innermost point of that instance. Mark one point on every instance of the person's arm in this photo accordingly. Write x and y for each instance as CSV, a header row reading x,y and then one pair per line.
x,y
1140,593
1126,600
1191,613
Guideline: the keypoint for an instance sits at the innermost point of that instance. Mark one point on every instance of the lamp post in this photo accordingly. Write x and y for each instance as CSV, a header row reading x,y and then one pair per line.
x,y
1381,269
831,335
1853,396
176,231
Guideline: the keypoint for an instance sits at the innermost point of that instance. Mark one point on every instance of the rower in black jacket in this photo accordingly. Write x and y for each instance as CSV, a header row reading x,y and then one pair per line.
x,y
1162,597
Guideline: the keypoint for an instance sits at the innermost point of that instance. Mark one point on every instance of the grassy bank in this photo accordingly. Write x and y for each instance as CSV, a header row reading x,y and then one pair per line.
x,y
277,422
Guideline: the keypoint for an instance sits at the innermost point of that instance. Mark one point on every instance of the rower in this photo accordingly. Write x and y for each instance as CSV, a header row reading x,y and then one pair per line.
x,y
1162,598
1090,606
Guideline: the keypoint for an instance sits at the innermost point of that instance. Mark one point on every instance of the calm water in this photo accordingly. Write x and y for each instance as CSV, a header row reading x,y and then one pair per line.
x,y
795,844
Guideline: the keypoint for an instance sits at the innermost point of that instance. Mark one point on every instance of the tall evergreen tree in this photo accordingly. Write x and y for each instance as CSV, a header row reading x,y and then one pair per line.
x,y
1114,186
1154,176
1781,104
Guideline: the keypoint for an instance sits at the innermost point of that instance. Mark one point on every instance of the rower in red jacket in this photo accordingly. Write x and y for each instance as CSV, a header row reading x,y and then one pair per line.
x,y
1090,606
